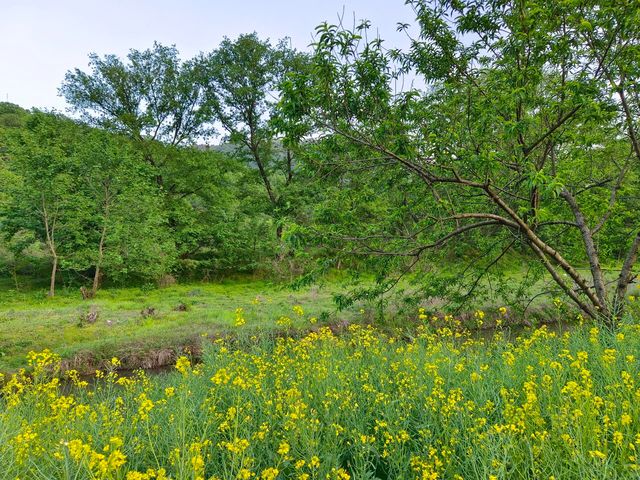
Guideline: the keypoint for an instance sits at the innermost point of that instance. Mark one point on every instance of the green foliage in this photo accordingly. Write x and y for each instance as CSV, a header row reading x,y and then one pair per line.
x,y
246,76
153,96
522,135
496,157
74,189
11,116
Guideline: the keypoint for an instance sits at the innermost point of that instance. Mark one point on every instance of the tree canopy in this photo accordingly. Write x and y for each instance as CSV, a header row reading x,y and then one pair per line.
x,y
524,131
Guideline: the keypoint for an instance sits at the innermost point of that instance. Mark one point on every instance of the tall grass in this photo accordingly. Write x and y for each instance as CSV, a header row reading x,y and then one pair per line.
x,y
361,405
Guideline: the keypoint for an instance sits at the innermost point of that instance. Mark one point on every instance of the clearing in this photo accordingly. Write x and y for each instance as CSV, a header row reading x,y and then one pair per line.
x,y
181,314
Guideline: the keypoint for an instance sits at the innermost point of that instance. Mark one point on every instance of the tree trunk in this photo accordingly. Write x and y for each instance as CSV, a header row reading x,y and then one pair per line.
x,y
96,280
626,276
54,270
96,276
50,229
14,274
546,250
591,251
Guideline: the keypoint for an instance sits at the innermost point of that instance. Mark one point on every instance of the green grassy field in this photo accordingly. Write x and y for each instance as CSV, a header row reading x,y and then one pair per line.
x,y
31,321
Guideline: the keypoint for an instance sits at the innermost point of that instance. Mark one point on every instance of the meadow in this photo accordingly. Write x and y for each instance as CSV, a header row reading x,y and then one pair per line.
x,y
432,404
146,327
459,210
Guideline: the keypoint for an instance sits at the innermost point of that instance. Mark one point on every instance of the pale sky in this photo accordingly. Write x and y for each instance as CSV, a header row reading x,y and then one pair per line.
x,y
41,39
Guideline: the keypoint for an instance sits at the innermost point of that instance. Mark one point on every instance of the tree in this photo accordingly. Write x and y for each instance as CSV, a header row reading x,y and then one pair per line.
x,y
246,75
11,116
520,132
43,196
85,196
126,231
154,97
165,106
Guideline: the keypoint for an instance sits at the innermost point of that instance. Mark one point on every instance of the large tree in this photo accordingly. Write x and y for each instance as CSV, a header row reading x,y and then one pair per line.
x,y
153,97
165,106
245,76
85,196
524,129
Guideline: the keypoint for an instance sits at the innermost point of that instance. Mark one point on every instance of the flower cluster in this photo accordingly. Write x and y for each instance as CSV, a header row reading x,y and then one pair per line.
x,y
435,404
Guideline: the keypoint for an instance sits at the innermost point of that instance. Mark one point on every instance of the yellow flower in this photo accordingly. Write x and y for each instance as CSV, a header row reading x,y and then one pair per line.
x,y
617,438
609,355
25,444
340,474
239,320
237,446
269,474
284,448
183,365
145,406
244,474
509,358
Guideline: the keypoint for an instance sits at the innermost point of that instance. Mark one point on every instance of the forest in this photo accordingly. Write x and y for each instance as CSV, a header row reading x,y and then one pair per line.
x,y
356,261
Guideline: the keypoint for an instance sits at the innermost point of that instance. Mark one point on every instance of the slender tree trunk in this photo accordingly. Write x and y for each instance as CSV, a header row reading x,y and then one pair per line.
x,y
50,229
626,277
103,236
264,176
54,271
591,250
96,276
96,280
14,274
267,184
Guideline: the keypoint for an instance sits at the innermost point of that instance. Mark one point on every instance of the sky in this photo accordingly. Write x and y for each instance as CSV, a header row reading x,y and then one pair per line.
x,y
41,40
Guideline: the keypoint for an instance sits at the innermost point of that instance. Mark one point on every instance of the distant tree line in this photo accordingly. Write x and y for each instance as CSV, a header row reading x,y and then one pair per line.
x,y
132,192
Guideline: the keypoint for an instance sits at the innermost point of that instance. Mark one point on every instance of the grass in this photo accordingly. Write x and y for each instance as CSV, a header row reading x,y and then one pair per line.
x,y
362,405
31,321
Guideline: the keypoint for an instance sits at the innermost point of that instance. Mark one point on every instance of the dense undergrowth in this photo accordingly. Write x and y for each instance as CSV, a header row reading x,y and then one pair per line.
x,y
359,405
